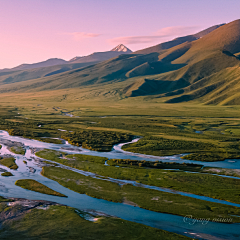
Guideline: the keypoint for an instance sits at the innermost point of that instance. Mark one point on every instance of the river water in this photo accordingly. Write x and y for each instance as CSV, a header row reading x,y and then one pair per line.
x,y
169,222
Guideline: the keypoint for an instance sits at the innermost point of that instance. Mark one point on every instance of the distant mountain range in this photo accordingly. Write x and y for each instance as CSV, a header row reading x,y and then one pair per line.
x,y
102,56
93,58
47,63
202,67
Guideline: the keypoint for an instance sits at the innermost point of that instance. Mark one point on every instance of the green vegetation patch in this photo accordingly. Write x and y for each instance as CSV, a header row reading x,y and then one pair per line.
x,y
9,162
96,140
142,197
50,154
201,184
33,185
210,156
18,150
7,174
161,135
60,222
176,135
65,158
2,199
163,146
50,140
84,185
156,165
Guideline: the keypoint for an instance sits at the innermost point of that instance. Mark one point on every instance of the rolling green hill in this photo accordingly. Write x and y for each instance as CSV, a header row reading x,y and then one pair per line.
x,y
202,67
166,45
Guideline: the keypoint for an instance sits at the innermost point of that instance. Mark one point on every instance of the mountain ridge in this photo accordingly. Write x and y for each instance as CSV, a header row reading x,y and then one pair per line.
x,y
103,56
121,48
177,41
94,57
203,69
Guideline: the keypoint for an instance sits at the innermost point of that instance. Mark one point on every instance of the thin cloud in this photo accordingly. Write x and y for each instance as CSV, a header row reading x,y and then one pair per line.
x,y
176,31
78,36
135,39
159,35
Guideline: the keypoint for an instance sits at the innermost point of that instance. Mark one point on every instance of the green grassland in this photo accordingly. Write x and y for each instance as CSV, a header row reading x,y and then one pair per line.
x,y
201,184
159,123
152,200
60,222
189,69
66,159
7,174
33,185
2,199
96,140
156,164
186,70
163,135
18,150
9,162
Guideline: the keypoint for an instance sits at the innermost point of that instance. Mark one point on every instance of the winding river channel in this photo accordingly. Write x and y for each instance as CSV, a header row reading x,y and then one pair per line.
x,y
169,222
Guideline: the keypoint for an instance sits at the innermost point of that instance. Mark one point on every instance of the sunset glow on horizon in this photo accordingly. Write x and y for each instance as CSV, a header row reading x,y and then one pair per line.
x,y
34,31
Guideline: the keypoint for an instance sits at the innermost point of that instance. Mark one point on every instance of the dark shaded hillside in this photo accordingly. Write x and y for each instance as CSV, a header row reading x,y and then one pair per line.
x,y
96,57
225,39
7,77
108,71
203,60
145,87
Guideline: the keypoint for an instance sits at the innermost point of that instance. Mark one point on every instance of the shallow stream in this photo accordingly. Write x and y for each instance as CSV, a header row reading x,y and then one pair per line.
x,y
169,222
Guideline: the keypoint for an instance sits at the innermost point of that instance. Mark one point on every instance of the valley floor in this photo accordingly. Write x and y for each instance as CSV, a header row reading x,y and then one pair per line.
x,y
203,135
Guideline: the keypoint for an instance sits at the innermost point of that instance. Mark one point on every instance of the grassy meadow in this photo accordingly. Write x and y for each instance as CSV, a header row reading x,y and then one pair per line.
x,y
6,174
9,162
197,183
61,222
206,133
36,186
153,200
18,150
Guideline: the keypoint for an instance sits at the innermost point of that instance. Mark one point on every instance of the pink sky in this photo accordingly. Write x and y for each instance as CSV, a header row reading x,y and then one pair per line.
x,y
35,30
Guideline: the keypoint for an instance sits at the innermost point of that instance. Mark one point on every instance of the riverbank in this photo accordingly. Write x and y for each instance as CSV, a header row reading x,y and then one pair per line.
x,y
84,202
32,219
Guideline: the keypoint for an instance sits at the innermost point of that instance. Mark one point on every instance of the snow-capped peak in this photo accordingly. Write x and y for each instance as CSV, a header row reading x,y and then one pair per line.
x,y
121,48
